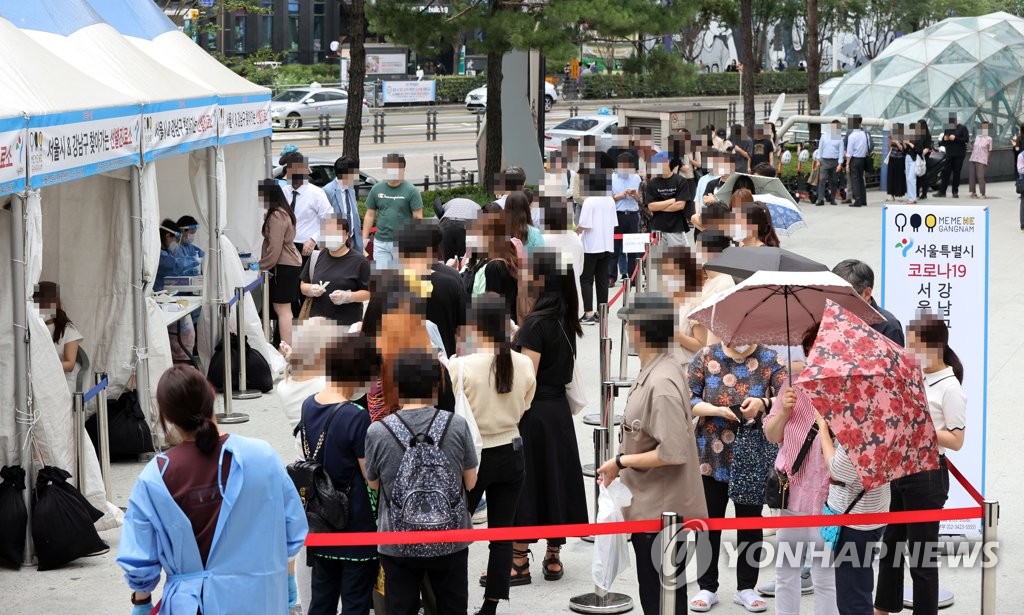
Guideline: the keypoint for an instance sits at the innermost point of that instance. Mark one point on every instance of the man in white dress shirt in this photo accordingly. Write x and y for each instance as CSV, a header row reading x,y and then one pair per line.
x,y
309,203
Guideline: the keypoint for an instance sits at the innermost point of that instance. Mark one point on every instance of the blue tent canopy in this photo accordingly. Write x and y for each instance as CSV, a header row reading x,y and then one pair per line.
x,y
138,19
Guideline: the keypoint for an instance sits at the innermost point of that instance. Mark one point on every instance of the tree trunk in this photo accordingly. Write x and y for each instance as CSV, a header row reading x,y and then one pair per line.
x,y
492,154
356,79
749,63
813,68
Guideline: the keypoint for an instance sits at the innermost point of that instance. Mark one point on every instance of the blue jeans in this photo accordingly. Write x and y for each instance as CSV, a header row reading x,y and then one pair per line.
x,y
855,577
628,222
385,254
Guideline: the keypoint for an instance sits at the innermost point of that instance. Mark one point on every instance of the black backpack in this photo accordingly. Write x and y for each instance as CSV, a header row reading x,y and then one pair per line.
x,y
257,374
327,507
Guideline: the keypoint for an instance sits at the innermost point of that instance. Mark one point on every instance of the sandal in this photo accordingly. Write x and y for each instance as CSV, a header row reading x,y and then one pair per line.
x,y
520,573
749,600
549,562
703,601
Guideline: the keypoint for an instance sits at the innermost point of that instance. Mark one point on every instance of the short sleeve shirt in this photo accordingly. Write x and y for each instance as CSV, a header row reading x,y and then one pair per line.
x,y
947,402
555,346
394,207
658,418
599,219
674,187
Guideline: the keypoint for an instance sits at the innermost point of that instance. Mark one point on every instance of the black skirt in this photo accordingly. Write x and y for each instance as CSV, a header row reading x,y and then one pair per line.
x,y
284,283
553,492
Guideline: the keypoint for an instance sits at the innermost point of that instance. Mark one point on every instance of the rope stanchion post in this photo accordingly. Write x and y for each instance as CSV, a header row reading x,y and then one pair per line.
x,y
265,295
670,569
652,271
78,405
623,342
607,382
228,417
243,391
989,535
103,432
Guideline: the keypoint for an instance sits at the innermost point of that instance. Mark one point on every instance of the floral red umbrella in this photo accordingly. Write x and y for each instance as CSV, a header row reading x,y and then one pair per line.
x,y
872,395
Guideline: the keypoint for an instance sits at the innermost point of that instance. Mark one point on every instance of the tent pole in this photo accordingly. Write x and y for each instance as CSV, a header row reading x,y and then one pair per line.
x,y
268,150
22,411
213,270
139,295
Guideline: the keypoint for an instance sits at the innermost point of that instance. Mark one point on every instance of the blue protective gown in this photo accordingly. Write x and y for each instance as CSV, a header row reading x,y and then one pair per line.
x,y
173,262
261,525
194,256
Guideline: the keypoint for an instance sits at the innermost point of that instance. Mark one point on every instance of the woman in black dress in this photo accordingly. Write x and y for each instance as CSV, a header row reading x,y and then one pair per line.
x,y
896,186
553,492
923,146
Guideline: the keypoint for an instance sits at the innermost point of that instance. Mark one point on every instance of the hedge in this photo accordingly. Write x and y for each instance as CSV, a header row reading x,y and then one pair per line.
x,y
475,193
710,84
453,88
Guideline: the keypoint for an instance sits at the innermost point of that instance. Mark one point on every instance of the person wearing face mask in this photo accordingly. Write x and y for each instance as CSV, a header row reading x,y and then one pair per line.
x,y
730,386
670,199
626,193
979,161
66,337
172,261
681,278
753,226
280,256
341,193
308,202
928,339
499,384
336,278
389,206
831,153
189,228
955,139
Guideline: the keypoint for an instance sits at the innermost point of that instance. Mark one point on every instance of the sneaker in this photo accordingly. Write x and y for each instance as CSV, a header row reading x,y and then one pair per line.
x,y
806,586
588,320
480,514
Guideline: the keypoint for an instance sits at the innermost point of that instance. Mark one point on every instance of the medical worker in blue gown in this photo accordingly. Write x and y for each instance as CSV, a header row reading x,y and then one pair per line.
x,y
217,514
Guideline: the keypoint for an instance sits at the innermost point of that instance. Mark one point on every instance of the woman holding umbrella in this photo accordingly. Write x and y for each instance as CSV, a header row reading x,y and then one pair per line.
x,y
730,387
754,226
928,339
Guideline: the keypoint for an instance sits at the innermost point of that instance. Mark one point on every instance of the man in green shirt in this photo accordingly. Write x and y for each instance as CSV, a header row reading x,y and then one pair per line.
x,y
390,205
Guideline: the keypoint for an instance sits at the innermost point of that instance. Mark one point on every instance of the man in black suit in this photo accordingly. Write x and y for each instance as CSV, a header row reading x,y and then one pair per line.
x,y
862,279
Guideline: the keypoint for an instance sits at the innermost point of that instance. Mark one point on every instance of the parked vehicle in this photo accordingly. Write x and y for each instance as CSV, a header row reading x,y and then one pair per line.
x,y
603,127
321,173
300,107
476,100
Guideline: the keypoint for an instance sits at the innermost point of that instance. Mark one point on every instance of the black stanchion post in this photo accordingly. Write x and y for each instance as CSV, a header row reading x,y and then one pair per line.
x,y
103,433
989,536
243,391
670,569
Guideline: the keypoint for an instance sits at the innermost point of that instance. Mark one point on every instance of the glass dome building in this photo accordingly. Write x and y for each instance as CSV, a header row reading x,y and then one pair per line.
x,y
971,66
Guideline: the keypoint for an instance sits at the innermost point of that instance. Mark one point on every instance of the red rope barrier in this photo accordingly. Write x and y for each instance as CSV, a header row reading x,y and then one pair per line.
x,y
971,491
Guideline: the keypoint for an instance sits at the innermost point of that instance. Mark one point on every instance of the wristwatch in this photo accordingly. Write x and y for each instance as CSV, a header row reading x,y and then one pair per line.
x,y
618,462
137,602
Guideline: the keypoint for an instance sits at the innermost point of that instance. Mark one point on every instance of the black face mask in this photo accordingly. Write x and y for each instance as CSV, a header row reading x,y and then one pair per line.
x,y
298,179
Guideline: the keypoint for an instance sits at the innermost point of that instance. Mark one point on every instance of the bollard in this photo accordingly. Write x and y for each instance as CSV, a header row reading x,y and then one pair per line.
x,y
574,110
670,532
228,417
378,126
266,304
448,172
989,536
431,125
462,176
243,391
437,165
426,183
78,407
801,106
323,134
103,434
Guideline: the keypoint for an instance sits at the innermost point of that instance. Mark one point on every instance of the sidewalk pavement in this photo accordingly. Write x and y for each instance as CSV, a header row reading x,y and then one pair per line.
x,y
95,585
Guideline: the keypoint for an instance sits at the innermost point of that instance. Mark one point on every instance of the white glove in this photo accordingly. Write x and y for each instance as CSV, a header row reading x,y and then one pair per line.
x,y
314,290
341,297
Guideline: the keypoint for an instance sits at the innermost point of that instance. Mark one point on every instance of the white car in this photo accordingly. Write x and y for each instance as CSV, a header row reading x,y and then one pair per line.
x,y
603,127
476,100
300,107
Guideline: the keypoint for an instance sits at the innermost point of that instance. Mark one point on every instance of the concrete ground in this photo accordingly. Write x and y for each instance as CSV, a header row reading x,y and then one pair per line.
x,y
95,585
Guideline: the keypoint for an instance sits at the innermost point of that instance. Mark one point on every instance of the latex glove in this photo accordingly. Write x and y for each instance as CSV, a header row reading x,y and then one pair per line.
x,y
341,297
293,591
141,609
314,290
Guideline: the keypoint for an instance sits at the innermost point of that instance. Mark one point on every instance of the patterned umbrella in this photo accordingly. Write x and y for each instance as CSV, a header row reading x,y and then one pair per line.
x,y
786,217
873,398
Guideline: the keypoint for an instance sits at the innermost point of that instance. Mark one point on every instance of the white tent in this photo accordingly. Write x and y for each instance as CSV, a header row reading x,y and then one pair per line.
x,y
242,157
78,128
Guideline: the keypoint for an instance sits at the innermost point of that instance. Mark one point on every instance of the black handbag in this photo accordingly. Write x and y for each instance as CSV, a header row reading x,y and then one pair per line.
x,y
1020,185
127,427
327,507
776,485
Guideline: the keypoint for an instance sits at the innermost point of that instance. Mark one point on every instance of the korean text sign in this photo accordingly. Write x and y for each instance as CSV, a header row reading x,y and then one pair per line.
x,y
935,259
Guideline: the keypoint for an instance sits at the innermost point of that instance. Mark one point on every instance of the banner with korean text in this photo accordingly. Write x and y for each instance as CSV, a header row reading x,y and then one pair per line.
x,y
177,127
13,141
408,91
935,259
243,118
67,146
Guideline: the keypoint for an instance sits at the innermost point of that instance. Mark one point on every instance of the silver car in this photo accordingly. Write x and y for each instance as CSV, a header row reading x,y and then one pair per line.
x,y
300,107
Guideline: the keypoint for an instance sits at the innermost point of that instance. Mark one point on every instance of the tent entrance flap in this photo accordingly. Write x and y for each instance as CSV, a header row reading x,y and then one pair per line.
x,y
139,295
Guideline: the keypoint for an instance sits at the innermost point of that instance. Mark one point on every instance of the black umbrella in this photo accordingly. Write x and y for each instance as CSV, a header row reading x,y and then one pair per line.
x,y
743,262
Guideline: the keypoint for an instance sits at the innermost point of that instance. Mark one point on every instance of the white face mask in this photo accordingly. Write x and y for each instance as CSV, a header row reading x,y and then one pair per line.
x,y
743,349
48,313
673,284
723,171
622,174
393,173
657,168
474,243
984,132
737,232
334,242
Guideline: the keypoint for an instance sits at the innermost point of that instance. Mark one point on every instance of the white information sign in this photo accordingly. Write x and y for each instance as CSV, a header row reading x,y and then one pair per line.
x,y
635,243
385,63
178,127
935,259
409,91
67,146
243,118
12,155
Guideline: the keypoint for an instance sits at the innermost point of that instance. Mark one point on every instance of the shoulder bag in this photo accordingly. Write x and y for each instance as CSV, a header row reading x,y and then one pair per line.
x,y
307,303
776,486
327,507
830,533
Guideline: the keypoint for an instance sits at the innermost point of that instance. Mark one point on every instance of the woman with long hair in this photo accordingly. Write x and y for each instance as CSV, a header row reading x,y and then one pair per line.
x,y
923,146
216,513
279,255
494,266
681,278
754,226
65,335
499,384
553,491
519,223
928,340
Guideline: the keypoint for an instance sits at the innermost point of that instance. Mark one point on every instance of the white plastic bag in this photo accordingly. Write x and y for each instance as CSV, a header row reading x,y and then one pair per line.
x,y
611,551
463,409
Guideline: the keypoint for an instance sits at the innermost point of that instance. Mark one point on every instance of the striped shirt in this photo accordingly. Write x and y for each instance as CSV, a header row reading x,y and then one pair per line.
x,y
840,497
